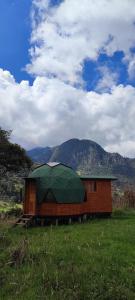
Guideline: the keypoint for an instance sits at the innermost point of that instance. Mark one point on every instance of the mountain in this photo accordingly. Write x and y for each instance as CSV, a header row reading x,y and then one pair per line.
x,y
40,154
87,157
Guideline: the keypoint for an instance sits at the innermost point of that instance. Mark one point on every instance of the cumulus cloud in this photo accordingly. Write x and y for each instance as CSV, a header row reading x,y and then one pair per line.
x,y
51,111
129,59
108,79
75,30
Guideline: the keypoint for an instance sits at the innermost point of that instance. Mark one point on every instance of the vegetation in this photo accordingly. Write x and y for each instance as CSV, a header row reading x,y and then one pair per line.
x,y
12,156
124,199
8,209
14,164
94,260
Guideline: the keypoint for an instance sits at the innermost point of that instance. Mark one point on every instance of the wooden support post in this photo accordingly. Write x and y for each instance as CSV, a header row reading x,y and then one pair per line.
x,y
57,222
70,221
84,217
42,222
80,220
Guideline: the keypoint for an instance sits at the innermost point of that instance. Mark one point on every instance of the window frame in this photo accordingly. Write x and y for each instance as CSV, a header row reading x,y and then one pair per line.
x,y
92,186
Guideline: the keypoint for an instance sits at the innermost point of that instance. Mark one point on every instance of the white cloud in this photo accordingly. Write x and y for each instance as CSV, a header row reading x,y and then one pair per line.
x,y
41,4
75,30
108,79
126,147
129,59
51,111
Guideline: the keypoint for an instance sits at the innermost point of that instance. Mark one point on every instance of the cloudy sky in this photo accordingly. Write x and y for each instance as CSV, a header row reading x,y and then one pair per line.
x,y
67,70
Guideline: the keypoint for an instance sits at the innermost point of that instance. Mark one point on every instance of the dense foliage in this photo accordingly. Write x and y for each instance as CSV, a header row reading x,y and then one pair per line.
x,y
12,156
14,165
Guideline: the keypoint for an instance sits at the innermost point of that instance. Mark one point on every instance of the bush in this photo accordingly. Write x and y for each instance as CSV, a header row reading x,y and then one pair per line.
x,y
8,209
125,199
15,211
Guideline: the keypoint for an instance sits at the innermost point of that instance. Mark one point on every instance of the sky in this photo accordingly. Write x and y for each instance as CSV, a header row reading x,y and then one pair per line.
x,y
67,70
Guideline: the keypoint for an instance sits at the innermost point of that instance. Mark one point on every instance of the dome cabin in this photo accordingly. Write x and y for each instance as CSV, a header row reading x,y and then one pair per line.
x,y
56,190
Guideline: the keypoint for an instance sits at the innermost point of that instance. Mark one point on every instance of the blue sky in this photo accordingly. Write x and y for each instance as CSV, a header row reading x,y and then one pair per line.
x,y
71,74
15,32
114,63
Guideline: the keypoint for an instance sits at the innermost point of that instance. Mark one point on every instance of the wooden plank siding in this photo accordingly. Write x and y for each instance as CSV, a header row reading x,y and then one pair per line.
x,y
99,201
29,205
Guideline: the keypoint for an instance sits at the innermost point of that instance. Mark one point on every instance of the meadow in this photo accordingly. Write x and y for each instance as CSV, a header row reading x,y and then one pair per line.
x,y
94,260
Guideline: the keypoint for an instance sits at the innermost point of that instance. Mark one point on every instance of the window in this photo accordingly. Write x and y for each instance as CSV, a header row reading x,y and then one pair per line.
x,y
49,197
92,187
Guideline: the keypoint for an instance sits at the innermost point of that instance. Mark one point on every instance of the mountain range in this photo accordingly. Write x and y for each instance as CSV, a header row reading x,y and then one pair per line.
x,y
87,157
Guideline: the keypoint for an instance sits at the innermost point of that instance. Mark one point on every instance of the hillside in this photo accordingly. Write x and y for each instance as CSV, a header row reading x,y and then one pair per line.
x,y
87,157
14,165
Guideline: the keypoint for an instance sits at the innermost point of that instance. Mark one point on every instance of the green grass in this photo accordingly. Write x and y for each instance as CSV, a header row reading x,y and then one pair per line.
x,y
94,260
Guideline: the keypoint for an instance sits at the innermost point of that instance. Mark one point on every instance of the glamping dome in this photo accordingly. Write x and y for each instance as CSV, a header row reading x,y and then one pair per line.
x,y
58,183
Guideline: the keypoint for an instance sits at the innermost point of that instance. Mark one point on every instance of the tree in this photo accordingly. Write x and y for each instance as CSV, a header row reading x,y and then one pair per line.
x,y
14,165
12,156
5,135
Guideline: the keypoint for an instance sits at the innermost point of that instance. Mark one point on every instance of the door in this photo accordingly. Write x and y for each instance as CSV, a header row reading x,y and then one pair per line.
x,y
30,197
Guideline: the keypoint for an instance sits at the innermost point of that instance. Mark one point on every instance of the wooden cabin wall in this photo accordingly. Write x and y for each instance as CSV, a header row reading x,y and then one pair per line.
x,y
56,209
101,199
96,202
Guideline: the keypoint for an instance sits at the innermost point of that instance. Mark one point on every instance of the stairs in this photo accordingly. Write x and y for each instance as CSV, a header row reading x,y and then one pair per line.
x,y
25,221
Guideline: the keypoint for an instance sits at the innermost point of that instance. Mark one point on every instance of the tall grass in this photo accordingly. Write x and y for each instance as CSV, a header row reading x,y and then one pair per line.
x,y
90,261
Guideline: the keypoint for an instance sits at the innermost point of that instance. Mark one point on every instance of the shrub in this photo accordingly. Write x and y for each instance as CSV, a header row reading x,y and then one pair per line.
x,y
125,199
15,211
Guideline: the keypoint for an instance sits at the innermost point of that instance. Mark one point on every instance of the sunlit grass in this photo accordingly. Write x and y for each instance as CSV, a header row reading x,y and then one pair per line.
x,y
94,260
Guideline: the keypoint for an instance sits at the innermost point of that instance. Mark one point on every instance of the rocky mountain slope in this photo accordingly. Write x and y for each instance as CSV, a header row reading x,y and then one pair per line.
x,y
87,157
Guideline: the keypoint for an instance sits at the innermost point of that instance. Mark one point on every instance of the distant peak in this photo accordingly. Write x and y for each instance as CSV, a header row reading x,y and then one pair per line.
x,y
86,142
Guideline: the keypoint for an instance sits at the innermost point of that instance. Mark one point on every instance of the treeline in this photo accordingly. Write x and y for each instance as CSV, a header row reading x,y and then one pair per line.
x,y
12,156
14,165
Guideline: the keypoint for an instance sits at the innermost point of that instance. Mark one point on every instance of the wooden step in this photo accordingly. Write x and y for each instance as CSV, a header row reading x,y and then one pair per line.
x,y
20,223
27,216
24,221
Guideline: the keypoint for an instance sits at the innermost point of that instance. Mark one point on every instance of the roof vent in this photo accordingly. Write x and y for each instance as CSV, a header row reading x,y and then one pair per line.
x,y
53,164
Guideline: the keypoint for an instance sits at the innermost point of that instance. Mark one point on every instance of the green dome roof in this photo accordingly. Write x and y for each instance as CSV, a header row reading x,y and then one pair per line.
x,y
58,181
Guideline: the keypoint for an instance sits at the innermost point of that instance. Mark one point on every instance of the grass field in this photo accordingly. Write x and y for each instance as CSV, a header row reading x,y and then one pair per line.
x,y
94,260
